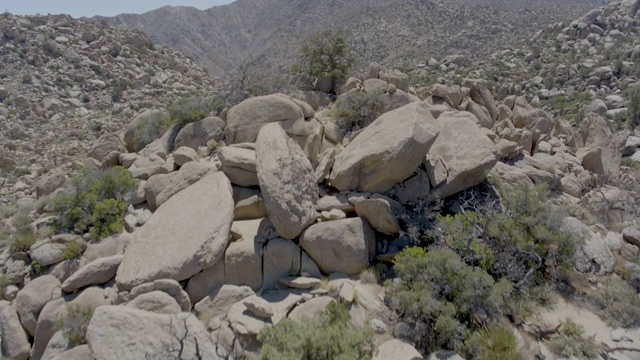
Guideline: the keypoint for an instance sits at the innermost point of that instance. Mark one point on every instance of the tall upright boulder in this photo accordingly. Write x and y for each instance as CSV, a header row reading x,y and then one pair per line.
x,y
387,151
287,181
187,234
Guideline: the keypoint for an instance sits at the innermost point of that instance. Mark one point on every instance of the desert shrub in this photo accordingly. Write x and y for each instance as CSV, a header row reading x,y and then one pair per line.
x,y
569,341
188,110
37,268
442,297
521,238
327,336
633,105
95,202
8,210
494,343
151,127
327,53
72,250
4,282
357,109
51,49
619,303
74,324
27,78
23,236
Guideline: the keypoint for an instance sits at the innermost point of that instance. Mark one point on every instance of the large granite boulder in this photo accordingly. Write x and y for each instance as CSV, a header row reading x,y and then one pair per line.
x,y
387,151
187,234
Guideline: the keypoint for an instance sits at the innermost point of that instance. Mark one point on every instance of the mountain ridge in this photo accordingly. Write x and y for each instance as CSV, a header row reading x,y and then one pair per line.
x,y
222,37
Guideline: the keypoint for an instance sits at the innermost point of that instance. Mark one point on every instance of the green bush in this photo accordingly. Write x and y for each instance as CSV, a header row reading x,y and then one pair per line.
x,y
4,282
570,342
37,268
188,110
357,109
327,53
72,250
520,239
633,105
328,336
74,324
619,303
495,343
95,202
443,297
23,236
150,128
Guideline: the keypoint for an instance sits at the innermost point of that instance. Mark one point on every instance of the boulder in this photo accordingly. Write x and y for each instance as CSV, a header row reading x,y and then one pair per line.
x,y
239,165
249,204
82,352
465,151
258,306
631,235
32,299
158,302
281,258
199,133
103,146
596,134
206,281
220,300
243,258
96,272
309,308
395,77
154,186
387,151
380,211
593,254
344,246
184,155
15,340
287,181
90,297
188,175
50,182
187,234
245,120
397,350
119,332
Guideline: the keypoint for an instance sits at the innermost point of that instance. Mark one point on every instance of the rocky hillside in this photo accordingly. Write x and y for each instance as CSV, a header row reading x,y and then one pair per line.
x,y
214,235
66,82
396,33
569,68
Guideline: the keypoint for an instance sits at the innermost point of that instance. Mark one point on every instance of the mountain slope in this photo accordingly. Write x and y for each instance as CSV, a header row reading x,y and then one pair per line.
x,y
390,32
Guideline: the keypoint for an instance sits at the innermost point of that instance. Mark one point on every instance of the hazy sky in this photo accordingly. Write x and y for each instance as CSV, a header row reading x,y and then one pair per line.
x,y
88,8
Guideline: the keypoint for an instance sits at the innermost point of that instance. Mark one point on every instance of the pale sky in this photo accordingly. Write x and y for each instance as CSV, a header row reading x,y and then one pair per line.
x,y
89,8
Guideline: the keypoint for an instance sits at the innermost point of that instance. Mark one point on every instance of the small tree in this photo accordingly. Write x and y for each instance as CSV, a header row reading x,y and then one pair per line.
x,y
327,53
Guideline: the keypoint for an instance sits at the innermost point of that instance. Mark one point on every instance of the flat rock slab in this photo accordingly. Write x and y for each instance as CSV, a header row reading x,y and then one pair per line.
x,y
187,234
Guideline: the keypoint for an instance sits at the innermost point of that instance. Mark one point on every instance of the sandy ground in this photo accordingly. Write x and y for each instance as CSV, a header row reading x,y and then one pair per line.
x,y
593,326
